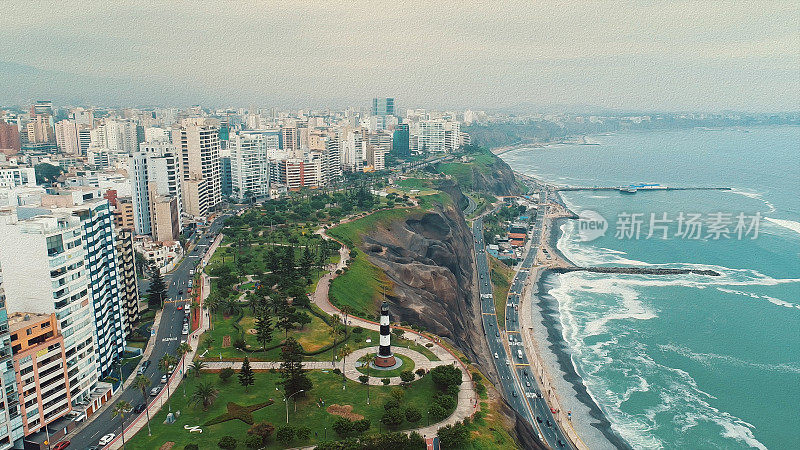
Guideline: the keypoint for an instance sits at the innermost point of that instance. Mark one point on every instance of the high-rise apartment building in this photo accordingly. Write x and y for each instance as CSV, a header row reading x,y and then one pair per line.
x,y
198,145
249,166
9,138
98,237
332,164
155,171
11,428
40,129
383,106
400,141
54,277
67,137
129,289
40,364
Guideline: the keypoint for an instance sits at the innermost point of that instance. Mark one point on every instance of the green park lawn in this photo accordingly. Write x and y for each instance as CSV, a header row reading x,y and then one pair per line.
x,y
327,387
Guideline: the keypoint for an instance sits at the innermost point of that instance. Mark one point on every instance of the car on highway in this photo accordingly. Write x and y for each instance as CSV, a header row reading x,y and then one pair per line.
x,y
538,419
138,409
105,440
547,422
144,367
180,307
514,394
495,355
527,384
560,443
497,333
61,445
155,391
164,379
180,292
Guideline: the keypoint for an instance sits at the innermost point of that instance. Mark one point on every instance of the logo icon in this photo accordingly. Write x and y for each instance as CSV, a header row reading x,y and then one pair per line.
x,y
591,225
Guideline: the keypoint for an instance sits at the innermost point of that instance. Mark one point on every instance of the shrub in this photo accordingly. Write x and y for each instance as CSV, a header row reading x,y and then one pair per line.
x,y
363,378
358,330
453,390
337,371
191,447
262,429
226,374
437,413
253,441
361,426
447,402
391,403
342,427
407,376
303,433
398,394
285,434
227,443
413,414
392,417
385,381
240,344
420,372
453,436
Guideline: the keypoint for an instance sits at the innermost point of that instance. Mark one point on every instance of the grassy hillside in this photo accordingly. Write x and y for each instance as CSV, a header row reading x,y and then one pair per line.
x,y
501,276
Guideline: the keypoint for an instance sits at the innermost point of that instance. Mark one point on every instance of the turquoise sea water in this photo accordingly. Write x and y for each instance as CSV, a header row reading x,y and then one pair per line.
x,y
690,361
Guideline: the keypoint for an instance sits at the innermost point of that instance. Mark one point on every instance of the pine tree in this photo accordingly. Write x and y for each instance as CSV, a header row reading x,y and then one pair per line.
x,y
294,378
157,291
264,327
246,376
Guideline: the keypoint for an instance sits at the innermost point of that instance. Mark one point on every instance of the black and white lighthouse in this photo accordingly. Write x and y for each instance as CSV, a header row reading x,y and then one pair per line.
x,y
385,357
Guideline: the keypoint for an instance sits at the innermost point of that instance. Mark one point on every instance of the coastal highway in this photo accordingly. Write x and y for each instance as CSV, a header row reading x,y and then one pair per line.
x,y
167,338
517,382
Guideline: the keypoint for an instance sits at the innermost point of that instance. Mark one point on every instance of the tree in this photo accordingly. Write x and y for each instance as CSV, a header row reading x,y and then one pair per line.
x,y
246,376
157,291
121,408
398,394
293,376
143,383
225,374
446,375
204,394
413,414
165,364
264,328
303,433
335,332
437,413
227,443
285,434
253,441
196,367
343,427
454,436
407,376
385,381
183,350
47,173
392,417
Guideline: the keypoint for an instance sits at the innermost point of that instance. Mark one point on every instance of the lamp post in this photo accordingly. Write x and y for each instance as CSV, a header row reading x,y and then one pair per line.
x,y
286,400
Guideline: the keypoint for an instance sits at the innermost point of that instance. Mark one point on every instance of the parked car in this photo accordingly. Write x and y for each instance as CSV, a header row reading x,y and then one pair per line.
x,y
105,440
164,379
144,366
138,409
61,445
155,391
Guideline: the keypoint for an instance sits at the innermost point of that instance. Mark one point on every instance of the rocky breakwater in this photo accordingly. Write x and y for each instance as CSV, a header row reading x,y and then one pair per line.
x,y
639,270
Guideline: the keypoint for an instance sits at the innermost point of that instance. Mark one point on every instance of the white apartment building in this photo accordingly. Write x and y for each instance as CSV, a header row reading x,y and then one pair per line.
x,y
13,176
53,277
67,137
249,166
155,168
435,136
11,426
199,149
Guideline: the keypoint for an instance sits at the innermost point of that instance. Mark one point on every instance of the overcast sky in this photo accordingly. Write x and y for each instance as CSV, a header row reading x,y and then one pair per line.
x,y
705,55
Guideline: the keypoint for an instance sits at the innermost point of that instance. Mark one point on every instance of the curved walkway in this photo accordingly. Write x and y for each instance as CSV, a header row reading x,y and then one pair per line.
x,y
467,397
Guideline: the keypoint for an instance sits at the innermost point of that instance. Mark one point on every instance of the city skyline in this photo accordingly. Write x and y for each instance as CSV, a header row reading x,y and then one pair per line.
x,y
678,57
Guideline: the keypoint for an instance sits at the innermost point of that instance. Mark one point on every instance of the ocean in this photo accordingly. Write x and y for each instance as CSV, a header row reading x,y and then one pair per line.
x,y
689,361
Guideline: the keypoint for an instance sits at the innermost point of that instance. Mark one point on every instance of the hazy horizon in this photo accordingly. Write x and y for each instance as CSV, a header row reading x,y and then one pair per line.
x,y
645,56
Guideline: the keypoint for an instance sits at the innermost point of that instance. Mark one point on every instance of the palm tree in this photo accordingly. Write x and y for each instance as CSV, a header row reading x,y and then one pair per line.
x,y
164,365
335,332
142,383
196,367
183,349
121,408
343,352
212,302
205,394
346,310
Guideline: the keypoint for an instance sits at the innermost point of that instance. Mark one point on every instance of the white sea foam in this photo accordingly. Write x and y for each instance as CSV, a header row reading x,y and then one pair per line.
x,y
788,224
756,196
773,300
711,359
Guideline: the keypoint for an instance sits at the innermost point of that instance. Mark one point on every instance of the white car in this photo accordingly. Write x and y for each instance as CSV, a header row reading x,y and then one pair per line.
x,y
155,391
495,355
163,379
105,440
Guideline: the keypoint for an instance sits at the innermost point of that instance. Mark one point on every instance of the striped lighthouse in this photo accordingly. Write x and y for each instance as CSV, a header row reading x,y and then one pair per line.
x,y
385,357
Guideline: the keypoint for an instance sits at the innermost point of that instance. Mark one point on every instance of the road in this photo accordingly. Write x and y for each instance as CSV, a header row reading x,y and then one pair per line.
x,y
517,382
167,339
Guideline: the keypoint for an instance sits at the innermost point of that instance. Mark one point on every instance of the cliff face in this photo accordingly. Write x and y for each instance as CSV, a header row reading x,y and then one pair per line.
x,y
499,179
428,258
